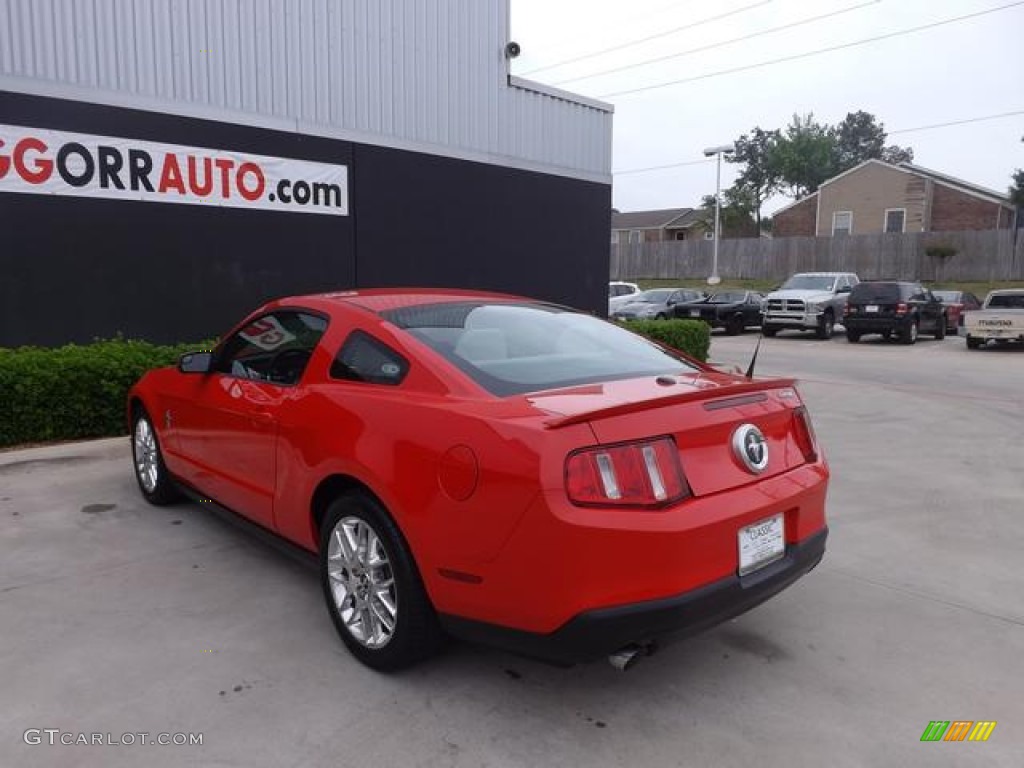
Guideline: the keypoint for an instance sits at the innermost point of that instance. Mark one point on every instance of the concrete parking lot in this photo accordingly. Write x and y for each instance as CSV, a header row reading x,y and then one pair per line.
x,y
117,617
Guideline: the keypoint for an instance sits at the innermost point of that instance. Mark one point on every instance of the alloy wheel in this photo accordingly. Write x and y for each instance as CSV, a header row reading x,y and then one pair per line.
x,y
147,464
362,583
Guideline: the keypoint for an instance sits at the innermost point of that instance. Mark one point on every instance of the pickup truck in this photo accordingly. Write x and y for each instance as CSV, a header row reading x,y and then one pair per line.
x,y
1001,318
808,301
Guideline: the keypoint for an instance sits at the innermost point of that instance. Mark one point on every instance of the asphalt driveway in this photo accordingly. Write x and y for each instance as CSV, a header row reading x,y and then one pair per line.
x,y
120,618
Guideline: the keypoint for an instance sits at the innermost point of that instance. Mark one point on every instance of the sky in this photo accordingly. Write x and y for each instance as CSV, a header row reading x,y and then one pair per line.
x,y
963,70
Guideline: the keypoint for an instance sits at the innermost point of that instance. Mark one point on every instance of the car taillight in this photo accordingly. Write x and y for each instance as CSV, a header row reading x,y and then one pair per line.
x,y
901,308
846,310
804,431
641,474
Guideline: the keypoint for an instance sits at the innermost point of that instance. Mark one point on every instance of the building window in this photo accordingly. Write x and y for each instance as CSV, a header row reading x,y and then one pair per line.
x,y
842,223
615,237
681,234
709,235
634,236
895,220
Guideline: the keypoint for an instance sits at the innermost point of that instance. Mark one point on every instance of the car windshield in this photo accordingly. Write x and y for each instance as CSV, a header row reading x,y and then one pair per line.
x,y
951,296
728,298
809,283
1006,301
653,296
511,348
875,292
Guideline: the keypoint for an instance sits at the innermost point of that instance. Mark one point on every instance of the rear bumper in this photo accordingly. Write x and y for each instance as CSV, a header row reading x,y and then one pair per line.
x,y
596,633
863,324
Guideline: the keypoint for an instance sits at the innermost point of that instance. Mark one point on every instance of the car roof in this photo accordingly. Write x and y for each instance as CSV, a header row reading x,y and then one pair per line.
x,y
382,299
1005,291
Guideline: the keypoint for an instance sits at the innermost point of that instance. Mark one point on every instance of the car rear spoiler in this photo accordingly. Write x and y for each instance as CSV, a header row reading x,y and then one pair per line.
x,y
717,398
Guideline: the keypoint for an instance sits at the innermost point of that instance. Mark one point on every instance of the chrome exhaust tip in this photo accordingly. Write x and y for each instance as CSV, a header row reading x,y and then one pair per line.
x,y
625,658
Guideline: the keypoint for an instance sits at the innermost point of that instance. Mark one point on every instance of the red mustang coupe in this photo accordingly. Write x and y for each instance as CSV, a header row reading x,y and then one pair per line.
x,y
491,467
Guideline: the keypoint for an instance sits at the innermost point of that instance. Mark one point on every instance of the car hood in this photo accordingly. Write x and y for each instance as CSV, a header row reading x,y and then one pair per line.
x,y
805,294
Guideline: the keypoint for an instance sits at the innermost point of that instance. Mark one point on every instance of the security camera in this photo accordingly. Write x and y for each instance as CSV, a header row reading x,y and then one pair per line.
x,y
512,50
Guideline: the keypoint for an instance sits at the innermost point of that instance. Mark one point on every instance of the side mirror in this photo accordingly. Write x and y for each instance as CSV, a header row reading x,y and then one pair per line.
x,y
195,362
845,289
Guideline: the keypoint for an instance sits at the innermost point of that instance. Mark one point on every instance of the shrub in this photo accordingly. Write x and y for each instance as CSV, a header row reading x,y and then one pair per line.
x,y
690,336
75,391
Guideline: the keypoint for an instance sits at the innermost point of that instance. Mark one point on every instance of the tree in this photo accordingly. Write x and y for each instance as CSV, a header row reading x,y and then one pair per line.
x,y
1017,188
736,215
861,137
858,138
808,153
805,156
760,177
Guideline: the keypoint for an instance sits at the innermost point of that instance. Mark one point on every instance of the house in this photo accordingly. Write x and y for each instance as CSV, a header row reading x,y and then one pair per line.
x,y
661,225
876,197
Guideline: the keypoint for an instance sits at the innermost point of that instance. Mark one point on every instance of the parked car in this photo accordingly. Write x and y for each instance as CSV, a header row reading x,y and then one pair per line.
x,y
733,310
491,467
808,301
654,304
957,303
620,293
1001,319
893,308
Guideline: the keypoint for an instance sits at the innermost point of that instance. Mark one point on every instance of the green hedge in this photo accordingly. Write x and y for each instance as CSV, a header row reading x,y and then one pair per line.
x,y
690,336
78,391
75,391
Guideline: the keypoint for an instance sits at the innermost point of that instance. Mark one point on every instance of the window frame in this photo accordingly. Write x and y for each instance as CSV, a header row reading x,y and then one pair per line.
x,y
835,215
903,221
358,333
219,350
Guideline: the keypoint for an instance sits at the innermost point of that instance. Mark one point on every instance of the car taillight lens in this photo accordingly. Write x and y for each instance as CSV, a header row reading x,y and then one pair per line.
x,y
901,308
846,310
641,474
804,431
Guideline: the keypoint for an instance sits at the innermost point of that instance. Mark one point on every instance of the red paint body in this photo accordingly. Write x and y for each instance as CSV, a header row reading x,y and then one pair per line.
x,y
475,482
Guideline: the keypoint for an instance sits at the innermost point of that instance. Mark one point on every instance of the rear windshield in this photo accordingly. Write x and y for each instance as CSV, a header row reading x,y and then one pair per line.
x,y
654,296
510,348
728,298
952,296
809,283
880,292
1006,301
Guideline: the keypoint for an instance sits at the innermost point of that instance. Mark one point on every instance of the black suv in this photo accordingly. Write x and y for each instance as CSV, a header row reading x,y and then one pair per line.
x,y
893,309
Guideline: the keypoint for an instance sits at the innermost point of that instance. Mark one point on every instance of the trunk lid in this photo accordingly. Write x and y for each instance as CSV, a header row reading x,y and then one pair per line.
x,y
700,411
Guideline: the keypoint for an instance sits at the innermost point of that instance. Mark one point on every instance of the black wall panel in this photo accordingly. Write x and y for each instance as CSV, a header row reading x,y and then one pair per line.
x,y
428,220
73,269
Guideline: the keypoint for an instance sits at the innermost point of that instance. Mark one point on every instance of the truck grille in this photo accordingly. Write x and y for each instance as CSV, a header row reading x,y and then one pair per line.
x,y
785,305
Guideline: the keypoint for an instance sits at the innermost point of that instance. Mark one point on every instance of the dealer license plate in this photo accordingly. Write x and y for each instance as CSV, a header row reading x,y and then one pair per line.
x,y
871,308
761,543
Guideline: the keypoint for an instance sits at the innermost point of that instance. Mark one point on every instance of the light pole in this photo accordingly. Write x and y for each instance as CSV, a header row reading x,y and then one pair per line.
x,y
725,149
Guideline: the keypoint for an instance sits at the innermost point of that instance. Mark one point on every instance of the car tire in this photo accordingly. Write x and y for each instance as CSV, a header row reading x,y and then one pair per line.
x,y
909,334
735,325
940,329
826,326
887,335
852,336
973,343
155,482
661,316
369,578
769,330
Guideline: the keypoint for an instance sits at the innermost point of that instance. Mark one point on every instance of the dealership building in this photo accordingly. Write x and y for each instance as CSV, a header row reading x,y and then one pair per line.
x,y
165,166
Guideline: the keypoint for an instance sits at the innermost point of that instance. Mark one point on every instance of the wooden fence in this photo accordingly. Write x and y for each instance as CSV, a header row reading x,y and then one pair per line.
x,y
983,256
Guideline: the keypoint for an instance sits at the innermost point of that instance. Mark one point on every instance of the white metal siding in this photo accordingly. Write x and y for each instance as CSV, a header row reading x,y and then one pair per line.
x,y
427,74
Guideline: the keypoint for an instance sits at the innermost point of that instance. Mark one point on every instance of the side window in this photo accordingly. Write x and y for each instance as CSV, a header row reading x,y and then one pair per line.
x,y
274,348
364,358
